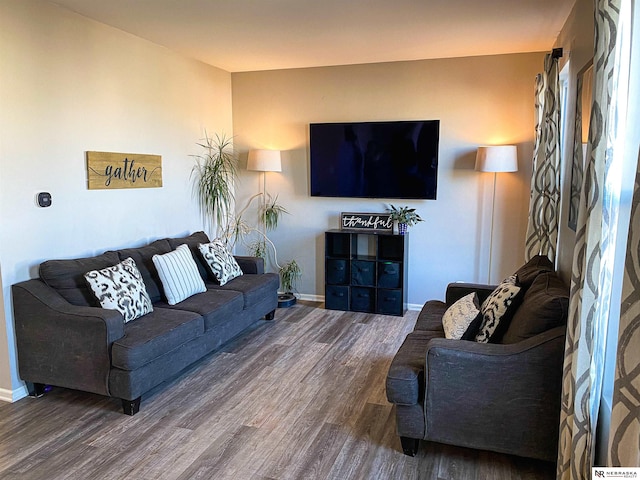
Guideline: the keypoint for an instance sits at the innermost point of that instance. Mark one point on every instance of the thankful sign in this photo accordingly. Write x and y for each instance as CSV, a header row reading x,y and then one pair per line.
x,y
366,221
106,170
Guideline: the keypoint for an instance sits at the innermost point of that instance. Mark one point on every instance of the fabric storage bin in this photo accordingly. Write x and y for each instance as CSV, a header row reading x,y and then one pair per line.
x,y
362,299
336,298
363,272
389,275
389,302
337,272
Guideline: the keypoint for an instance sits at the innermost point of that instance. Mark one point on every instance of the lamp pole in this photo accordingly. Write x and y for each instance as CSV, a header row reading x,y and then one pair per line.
x,y
493,212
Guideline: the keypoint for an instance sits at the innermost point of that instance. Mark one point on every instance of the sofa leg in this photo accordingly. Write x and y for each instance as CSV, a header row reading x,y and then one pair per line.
x,y
271,315
131,407
36,390
410,445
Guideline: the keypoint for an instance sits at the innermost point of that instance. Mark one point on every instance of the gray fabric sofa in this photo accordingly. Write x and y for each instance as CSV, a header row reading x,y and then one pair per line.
x,y
502,396
64,338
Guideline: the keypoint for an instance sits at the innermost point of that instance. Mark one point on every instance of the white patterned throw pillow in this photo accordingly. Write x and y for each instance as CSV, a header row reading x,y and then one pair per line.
x,y
458,317
179,274
495,307
121,288
221,262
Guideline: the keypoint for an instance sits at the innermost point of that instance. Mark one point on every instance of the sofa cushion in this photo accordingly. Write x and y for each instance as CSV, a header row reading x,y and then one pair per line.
x,y
120,287
250,264
143,256
430,316
529,271
220,261
154,335
179,275
67,277
544,306
405,379
192,241
253,287
497,310
458,317
215,306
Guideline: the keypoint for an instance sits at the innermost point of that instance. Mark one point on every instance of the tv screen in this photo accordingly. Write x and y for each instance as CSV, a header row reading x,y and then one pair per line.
x,y
375,159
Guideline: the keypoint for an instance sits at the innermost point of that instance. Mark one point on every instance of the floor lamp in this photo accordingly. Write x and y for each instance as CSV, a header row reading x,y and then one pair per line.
x,y
264,161
269,161
496,159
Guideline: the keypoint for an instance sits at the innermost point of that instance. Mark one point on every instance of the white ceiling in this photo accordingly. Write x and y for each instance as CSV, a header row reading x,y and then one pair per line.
x,y
248,35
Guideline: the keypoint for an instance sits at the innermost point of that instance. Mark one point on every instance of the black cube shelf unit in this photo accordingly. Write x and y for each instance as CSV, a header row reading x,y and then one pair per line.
x,y
366,271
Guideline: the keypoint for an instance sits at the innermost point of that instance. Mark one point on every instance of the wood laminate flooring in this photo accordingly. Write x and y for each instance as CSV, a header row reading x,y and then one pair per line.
x,y
301,397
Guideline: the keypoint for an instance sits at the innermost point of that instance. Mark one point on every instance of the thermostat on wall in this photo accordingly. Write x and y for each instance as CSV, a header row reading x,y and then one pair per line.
x,y
44,199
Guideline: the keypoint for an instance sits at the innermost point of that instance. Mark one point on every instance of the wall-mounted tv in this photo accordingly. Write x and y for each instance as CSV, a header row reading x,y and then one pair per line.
x,y
396,159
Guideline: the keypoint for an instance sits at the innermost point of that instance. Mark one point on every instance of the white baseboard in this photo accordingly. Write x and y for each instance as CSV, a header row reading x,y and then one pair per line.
x,y
415,306
320,298
310,298
13,395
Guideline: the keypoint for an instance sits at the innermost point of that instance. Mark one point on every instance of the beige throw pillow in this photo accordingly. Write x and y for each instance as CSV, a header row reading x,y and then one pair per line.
x,y
458,317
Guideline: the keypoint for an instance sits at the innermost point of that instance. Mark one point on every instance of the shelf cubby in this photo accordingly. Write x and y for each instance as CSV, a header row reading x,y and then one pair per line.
x,y
366,271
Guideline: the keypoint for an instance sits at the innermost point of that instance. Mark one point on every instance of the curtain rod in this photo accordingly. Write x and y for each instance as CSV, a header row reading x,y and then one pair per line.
x,y
556,53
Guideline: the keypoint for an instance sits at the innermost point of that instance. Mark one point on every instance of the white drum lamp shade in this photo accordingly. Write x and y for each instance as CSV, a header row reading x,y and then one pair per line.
x,y
264,161
499,158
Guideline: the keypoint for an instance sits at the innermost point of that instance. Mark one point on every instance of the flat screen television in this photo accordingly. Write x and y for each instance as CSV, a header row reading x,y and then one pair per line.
x,y
396,159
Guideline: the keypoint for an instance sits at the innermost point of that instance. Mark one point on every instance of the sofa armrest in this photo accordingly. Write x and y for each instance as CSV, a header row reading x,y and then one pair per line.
x,y
504,398
457,290
250,264
62,344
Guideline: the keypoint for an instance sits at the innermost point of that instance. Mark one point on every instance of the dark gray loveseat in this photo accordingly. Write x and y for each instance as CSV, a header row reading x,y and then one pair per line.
x,y
502,396
64,338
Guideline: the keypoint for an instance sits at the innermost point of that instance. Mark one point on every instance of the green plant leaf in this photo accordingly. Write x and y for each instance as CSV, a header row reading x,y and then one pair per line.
x,y
214,176
289,274
258,249
271,213
404,215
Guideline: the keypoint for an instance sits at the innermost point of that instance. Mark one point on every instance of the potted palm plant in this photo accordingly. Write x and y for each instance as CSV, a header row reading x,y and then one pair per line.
x,y
215,173
405,217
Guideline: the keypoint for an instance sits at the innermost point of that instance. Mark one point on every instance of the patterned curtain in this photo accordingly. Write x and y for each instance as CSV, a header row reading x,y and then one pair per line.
x,y
578,159
591,272
624,440
544,204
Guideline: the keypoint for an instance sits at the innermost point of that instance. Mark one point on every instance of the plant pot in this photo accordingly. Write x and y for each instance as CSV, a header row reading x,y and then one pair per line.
x,y
286,300
402,228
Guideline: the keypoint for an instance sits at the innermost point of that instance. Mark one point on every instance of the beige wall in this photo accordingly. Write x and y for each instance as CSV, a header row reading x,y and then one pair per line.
x,y
69,85
479,100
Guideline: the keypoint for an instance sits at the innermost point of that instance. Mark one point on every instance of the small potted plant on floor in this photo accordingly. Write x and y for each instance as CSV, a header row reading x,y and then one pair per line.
x,y
290,272
405,217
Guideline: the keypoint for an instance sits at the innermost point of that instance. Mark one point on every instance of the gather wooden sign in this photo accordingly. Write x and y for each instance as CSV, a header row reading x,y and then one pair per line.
x,y
107,170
